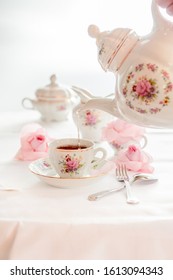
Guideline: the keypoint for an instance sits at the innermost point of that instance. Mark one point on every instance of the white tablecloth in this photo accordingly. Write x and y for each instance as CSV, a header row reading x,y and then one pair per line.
x,y
43,222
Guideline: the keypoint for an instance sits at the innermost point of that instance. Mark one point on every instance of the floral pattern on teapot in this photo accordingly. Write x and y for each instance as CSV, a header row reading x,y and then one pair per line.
x,y
141,90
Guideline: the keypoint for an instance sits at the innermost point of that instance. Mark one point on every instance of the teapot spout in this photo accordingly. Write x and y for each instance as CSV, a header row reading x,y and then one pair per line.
x,y
103,104
84,94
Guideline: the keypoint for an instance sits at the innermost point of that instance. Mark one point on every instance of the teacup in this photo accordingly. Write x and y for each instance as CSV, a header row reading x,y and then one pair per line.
x,y
74,158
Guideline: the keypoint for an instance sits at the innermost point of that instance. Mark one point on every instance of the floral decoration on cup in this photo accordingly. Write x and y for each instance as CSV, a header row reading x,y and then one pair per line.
x,y
91,118
135,159
70,164
119,132
33,143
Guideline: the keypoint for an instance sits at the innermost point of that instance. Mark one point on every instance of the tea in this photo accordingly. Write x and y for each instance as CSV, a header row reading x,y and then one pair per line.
x,y
72,147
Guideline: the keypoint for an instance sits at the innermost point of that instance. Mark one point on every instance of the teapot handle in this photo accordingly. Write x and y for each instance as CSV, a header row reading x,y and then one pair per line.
x,y
159,21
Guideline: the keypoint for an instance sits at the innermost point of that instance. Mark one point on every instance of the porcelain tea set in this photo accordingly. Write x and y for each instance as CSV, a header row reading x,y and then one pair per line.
x,y
143,96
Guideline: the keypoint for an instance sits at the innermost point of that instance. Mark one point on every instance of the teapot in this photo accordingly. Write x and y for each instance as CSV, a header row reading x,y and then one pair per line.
x,y
54,102
143,68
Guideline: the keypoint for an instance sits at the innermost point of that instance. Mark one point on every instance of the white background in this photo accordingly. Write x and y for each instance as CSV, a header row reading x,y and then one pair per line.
x,y
39,38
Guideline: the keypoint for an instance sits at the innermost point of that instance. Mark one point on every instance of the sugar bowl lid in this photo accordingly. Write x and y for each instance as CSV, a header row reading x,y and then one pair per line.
x,y
52,91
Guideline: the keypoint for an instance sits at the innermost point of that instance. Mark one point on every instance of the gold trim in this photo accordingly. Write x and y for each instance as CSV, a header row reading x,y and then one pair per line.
x,y
60,178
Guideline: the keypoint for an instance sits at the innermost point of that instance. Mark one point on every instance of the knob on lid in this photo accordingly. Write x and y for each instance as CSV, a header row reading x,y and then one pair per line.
x,y
113,46
52,91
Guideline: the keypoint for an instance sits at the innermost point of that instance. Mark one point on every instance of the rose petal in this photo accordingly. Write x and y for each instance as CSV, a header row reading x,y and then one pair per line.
x,y
122,132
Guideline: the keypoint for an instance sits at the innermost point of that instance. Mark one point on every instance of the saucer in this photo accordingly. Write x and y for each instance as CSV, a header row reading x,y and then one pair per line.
x,y
46,173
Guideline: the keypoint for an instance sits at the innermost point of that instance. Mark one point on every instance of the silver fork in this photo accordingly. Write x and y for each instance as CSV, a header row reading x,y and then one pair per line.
x,y
122,176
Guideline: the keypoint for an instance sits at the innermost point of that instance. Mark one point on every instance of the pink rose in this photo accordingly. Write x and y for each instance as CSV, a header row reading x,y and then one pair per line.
x,y
72,164
135,159
34,143
120,132
143,87
91,119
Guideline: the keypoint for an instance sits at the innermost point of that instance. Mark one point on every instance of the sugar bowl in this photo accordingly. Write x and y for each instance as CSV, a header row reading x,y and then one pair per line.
x,y
54,102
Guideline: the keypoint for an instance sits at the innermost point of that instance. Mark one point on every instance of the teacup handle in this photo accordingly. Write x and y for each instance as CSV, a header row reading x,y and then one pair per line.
x,y
145,142
97,161
26,101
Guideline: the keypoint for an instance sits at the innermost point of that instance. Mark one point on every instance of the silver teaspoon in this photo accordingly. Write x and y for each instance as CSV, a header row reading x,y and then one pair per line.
x,y
143,177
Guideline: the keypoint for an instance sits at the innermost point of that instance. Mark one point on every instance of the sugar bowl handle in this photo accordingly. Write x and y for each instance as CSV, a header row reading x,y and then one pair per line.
x,y
27,103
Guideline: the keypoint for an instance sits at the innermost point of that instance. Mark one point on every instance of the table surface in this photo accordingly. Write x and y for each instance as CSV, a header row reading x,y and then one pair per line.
x,y
39,221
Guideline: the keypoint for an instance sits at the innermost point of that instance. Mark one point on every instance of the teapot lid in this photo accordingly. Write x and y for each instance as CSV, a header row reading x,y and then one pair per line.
x,y
113,46
52,91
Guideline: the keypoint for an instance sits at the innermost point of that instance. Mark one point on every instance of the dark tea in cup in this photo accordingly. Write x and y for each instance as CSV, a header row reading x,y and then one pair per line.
x,y
71,147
